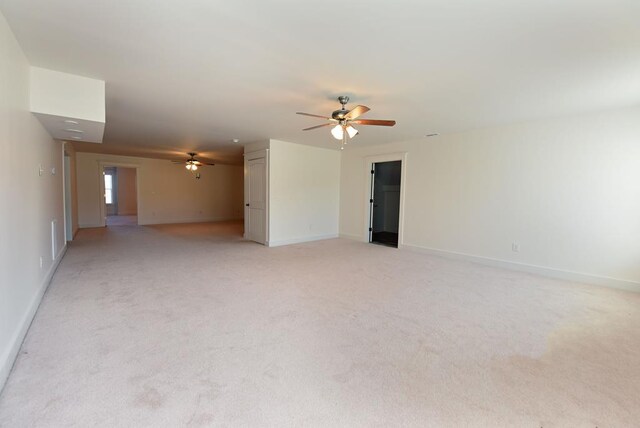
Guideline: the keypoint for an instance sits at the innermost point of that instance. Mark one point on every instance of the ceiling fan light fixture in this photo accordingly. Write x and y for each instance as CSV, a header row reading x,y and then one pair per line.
x,y
340,121
191,166
337,132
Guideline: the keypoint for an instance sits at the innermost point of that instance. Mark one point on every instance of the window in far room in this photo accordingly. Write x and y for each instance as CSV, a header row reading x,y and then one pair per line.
x,y
108,189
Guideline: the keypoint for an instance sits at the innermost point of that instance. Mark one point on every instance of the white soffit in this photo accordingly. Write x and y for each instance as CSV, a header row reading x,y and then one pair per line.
x,y
69,107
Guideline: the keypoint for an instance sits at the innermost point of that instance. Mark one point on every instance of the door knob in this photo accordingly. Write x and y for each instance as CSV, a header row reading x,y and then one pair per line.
x,y
246,205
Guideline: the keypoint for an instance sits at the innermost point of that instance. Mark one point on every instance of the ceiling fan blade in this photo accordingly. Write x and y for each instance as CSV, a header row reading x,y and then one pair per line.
x,y
317,126
373,122
356,112
313,115
200,162
178,161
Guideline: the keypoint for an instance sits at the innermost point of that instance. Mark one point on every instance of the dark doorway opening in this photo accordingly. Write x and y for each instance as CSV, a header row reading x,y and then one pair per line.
x,y
385,203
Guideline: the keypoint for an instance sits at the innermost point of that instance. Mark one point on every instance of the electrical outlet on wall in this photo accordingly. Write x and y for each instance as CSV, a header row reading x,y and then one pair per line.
x,y
515,247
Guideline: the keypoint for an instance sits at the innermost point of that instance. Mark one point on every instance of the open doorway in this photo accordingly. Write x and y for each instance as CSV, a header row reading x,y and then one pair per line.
x,y
385,203
120,196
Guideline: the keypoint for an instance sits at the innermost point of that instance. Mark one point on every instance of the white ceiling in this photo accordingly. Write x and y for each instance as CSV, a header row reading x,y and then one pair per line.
x,y
193,75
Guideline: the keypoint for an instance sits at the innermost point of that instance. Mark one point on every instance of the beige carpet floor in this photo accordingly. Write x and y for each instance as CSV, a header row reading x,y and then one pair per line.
x,y
122,220
188,325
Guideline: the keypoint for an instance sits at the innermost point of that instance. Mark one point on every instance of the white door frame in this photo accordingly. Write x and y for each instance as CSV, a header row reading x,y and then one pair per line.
x,y
368,165
247,157
103,205
64,196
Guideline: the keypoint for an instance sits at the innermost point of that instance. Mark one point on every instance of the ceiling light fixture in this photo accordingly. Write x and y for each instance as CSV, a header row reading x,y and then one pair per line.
x,y
340,121
192,164
337,132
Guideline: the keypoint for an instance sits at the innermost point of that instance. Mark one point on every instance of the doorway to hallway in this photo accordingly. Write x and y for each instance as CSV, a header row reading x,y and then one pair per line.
x,y
120,196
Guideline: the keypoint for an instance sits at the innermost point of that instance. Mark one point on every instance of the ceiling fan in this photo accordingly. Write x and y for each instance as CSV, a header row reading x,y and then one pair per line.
x,y
192,163
344,120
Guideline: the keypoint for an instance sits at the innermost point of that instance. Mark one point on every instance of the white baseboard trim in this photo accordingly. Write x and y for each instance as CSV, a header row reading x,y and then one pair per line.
x,y
189,220
168,221
352,237
11,353
300,240
534,269
89,225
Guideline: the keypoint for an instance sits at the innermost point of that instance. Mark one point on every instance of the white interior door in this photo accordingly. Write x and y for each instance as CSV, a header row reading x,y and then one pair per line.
x,y
256,201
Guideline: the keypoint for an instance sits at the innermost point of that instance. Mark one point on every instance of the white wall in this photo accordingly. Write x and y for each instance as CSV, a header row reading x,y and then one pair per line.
x,y
566,190
29,202
304,188
167,192
127,192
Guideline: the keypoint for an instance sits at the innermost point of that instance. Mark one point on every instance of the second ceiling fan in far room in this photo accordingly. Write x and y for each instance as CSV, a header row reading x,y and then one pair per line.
x,y
343,120
192,163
